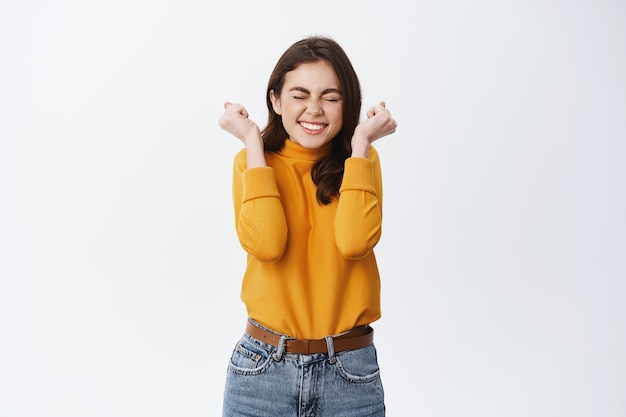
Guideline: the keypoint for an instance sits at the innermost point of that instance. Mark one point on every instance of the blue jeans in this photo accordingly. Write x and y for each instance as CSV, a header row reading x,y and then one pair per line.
x,y
263,381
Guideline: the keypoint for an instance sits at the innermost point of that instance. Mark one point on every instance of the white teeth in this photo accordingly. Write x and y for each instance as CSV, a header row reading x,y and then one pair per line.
x,y
311,126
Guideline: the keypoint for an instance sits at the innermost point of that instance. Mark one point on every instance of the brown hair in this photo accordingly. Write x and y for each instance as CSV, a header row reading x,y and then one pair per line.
x,y
327,172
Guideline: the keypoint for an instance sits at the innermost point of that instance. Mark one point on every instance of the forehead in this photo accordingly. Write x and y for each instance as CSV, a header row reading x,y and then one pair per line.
x,y
314,76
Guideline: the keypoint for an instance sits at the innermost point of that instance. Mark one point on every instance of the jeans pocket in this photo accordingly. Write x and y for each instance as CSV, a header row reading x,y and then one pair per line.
x,y
359,365
249,358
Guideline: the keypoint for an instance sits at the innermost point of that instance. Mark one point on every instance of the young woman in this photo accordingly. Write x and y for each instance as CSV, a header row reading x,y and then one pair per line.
x,y
307,194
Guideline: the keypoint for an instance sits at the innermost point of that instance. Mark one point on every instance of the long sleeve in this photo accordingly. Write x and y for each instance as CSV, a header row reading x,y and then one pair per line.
x,y
310,269
358,220
259,216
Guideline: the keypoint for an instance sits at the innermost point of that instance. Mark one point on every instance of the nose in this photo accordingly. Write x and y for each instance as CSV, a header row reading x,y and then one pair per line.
x,y
314,107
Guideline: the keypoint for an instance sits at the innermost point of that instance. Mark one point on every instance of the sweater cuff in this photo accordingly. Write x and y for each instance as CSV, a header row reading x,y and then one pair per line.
x,y
259,182
358,175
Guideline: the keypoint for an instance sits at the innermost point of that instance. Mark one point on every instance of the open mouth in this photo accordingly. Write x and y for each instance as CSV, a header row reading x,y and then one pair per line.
x,y
312,128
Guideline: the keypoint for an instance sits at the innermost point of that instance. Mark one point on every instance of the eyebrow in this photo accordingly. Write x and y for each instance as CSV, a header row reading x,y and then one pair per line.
x,y
327,91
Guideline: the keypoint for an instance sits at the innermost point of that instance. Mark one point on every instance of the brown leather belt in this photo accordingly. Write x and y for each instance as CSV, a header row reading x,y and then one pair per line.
x,y
356,338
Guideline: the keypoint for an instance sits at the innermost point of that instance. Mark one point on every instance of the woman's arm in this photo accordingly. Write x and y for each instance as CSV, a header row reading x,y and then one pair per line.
x,y
259,215
358,220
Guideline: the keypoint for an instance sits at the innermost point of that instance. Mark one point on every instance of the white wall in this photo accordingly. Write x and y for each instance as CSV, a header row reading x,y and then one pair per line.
x,y
503,253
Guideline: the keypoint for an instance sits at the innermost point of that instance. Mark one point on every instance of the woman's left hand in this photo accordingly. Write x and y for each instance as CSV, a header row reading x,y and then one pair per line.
x,y
379,123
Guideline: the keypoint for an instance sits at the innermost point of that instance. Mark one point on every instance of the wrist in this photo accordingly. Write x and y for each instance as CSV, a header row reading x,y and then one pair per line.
x,y
255,152
360,147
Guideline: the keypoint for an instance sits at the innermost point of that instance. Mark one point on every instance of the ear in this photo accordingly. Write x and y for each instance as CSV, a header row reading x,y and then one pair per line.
x,y
275,102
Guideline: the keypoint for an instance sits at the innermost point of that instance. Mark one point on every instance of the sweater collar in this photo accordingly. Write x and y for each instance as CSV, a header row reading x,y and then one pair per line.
x,y
295,151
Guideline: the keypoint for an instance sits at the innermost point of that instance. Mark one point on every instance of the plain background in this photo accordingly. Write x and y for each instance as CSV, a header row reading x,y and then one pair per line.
x,y
503,255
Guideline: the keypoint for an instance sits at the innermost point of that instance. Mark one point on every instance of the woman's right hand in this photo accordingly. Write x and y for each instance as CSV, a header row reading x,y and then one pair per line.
x,y
235,121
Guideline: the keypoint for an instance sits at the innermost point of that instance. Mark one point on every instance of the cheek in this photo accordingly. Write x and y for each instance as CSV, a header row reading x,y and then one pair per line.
x,y
338,113
338,117
291,112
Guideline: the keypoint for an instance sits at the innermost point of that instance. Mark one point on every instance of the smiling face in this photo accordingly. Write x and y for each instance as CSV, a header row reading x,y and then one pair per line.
x,y
310,104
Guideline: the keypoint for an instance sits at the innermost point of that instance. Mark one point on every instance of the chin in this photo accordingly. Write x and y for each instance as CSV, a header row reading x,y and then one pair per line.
x,y
311,145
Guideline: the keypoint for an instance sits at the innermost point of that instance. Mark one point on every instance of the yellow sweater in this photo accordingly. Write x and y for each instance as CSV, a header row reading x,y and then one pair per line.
x,y
311,269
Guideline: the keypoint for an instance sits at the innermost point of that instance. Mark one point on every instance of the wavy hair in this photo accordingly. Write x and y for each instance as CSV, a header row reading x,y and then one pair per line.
x,y
327,172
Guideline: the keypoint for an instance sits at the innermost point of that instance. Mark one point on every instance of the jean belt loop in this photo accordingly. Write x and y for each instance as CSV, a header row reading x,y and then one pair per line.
x,y
278,356
331,349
